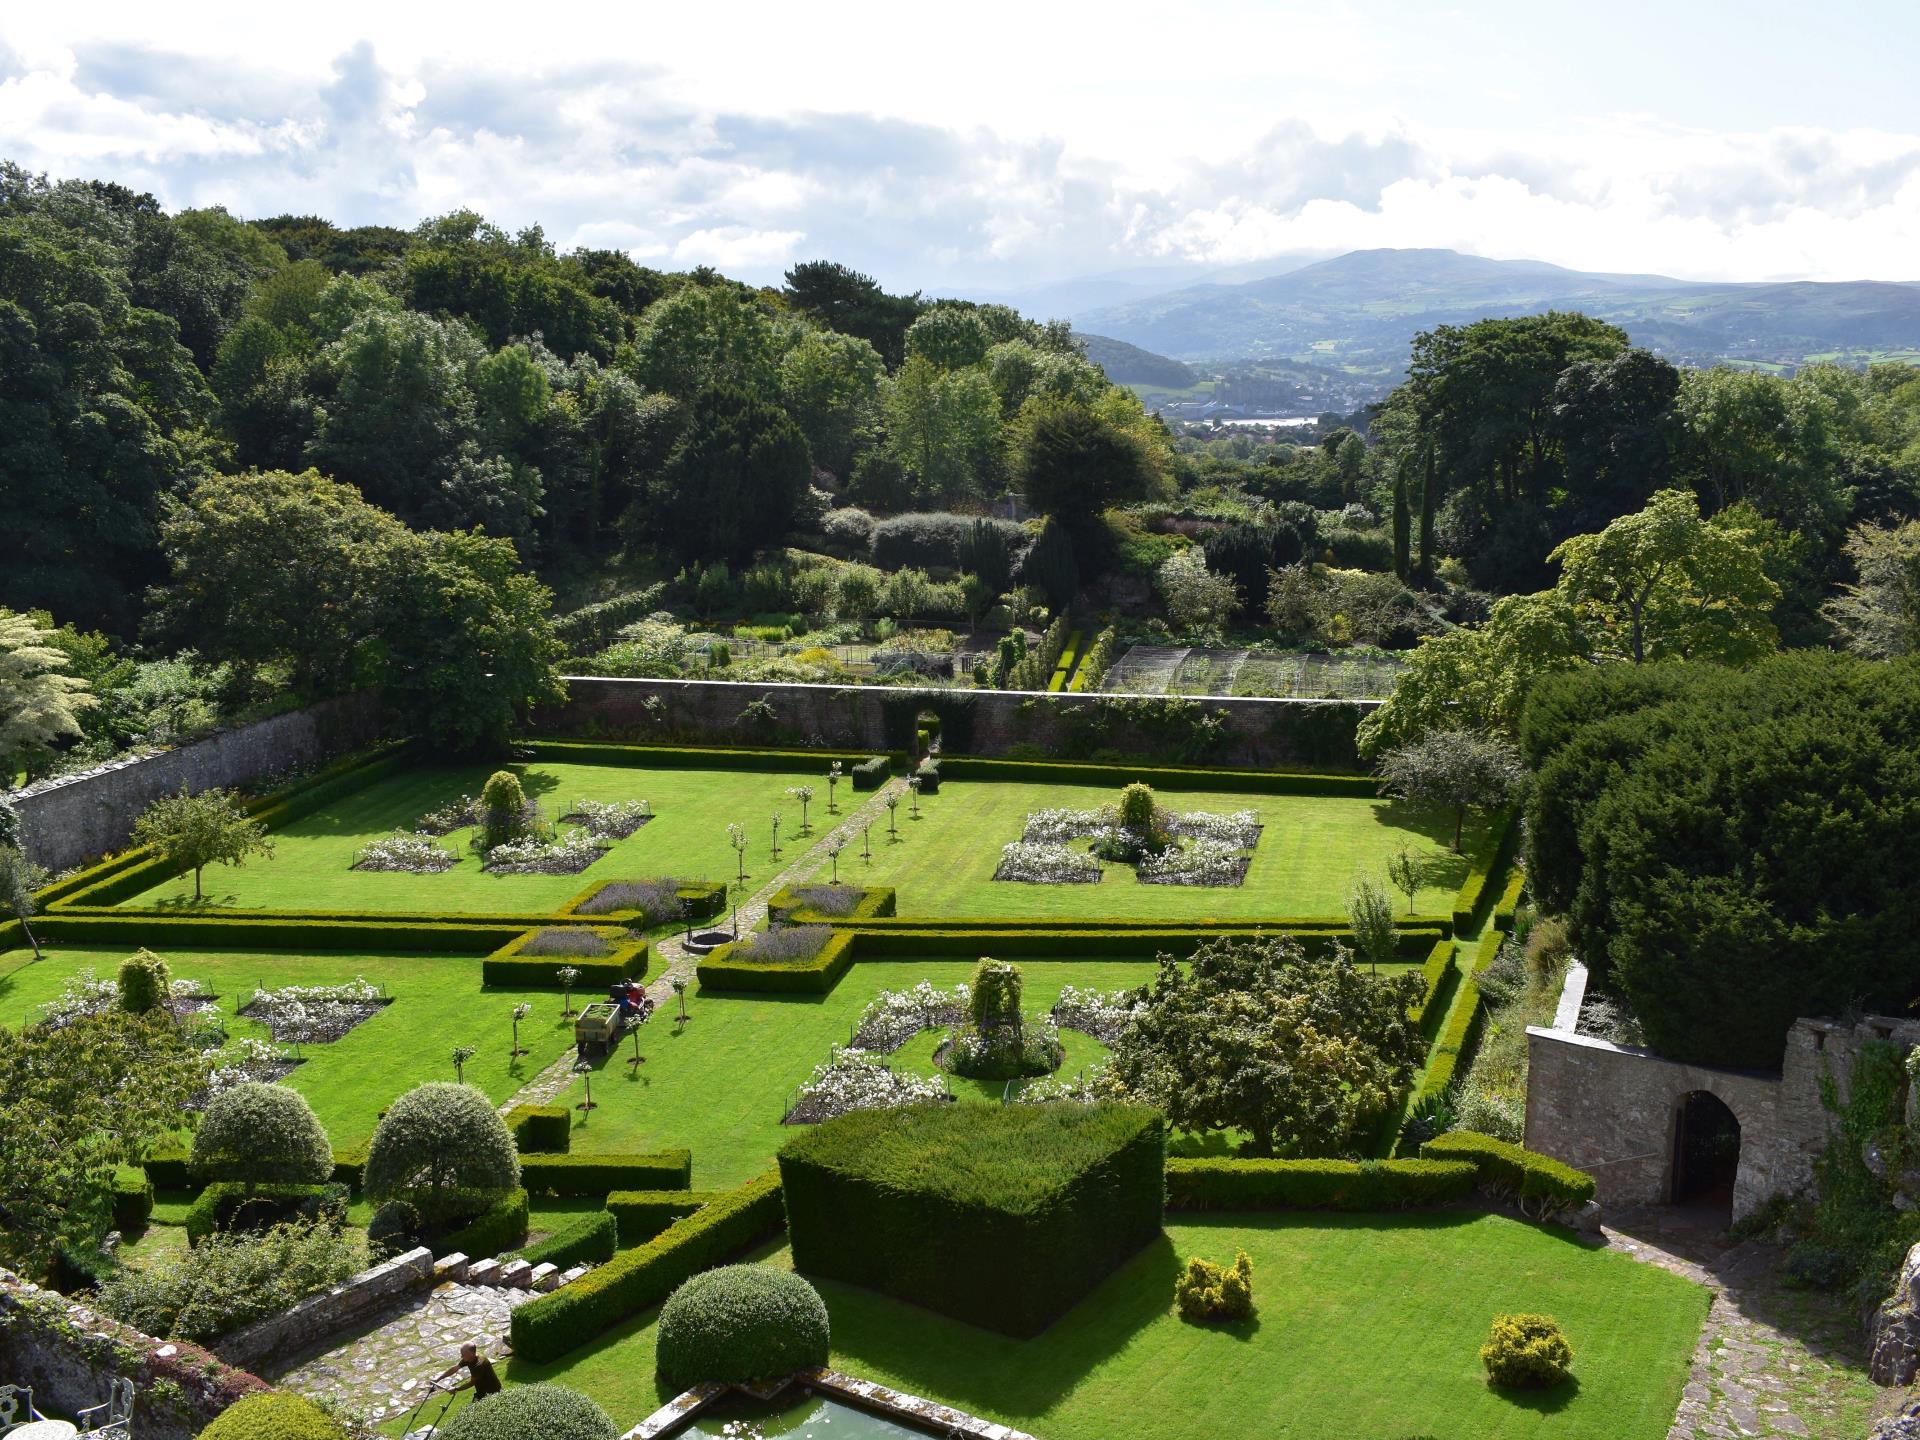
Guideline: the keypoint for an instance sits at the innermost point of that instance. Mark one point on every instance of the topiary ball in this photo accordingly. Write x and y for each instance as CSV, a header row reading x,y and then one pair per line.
x,y
532,1412
262,1135
740,1323
1526,1352
276,1415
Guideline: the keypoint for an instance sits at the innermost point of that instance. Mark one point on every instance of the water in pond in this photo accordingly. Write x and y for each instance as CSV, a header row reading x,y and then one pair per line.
x,y
813,1418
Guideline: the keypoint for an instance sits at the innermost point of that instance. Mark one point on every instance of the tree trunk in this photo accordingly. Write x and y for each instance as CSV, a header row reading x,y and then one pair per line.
x,y
1459,822
1402,524
196,883
32,939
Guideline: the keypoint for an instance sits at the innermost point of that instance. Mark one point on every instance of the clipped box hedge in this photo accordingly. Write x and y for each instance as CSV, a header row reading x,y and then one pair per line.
x,y
603,1174
1002,1216
1509,903
541,1129
687,757
342,931
816,976
509,969
501,1227
927,772
1222,1184
587,1239
1512,1171
1163,777
1441,975
1487,873
635,1280
132,1201
215,1207
871,774
643,1214
787,908
701,899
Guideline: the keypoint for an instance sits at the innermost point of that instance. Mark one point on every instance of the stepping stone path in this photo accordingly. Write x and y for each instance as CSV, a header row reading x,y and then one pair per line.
x,y
1771,1360
551,1083
369,1375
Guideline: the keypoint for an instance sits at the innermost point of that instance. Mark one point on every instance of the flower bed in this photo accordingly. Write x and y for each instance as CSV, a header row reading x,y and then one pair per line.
x,y
315,1014
568,855
1034,863
1056,827
851,1081
609,820
250,1061
454,815
406,854
87,994
565,940
780,944
1198,862
654,901
896,1016
1241,829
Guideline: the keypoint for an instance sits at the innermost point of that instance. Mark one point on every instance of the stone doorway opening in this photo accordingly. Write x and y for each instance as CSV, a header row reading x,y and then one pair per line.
x,y
1706,1152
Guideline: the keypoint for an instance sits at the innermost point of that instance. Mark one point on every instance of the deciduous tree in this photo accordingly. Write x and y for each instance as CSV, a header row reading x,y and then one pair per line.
x,y
195,831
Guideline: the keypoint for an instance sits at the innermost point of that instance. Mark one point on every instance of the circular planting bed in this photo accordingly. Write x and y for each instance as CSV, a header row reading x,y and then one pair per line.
x,y
705,942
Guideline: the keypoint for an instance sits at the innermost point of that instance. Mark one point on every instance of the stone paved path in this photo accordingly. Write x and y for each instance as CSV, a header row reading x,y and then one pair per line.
x,y
552,1082
1771,1361
383,1371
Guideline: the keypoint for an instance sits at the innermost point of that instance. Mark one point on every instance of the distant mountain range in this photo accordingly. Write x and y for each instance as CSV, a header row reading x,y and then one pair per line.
x,y
1359,312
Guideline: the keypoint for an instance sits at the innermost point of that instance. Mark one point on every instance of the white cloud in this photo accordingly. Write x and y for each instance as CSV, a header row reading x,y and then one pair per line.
x,y
678,162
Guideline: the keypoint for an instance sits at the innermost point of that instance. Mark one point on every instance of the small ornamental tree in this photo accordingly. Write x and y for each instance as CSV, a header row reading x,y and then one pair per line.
x,y
462,1054
440,1147
1370,913
1300,1053
262,1135
195,831
145,983
804,794
1407,869
20,878
568,976
1454,770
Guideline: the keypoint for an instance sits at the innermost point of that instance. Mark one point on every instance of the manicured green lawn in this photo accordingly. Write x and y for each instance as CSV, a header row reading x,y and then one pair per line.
x,y
942,864
720,1083
1368,1327
437,1004
311,865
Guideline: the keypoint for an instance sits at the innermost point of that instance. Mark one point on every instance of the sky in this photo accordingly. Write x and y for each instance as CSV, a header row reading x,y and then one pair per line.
x,y
990,147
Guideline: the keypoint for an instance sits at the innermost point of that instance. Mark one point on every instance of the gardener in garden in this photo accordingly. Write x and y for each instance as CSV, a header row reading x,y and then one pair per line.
x,y
479,1373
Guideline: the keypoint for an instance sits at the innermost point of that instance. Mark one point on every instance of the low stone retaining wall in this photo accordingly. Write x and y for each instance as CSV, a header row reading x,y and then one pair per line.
x,y
973,722
931,1415
320,1317
78,818
70,1355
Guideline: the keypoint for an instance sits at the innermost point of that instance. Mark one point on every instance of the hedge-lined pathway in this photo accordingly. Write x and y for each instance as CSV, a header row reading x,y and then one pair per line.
x,y
1772,1360
675,962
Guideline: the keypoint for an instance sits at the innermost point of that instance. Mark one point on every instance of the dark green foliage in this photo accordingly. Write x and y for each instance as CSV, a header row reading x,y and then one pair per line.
x,y
1741,843
1245,553
1486,877
936,538
1051,565
541,1129
393,1229
733,968
591,1238
273,1415
871,774
1073,464
643,1214
229,1206
854,305
500,1226
547,1328
549,1412
599,1174
987,550
1316,1184
740,1323
1513,1171
503,809
1164,777
734,482
144,982
1001,1216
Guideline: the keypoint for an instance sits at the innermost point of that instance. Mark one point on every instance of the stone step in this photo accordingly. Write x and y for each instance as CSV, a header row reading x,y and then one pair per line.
x,y
450,1267
515,1275
544,1277
483,1272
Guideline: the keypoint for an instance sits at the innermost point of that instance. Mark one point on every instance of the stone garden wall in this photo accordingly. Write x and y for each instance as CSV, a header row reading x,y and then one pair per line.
x,y
1612,1109
1056,725
319,1318
70,1354
77,818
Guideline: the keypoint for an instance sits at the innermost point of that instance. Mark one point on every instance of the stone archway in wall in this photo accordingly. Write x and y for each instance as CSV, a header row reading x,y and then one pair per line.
x,y
1705,1161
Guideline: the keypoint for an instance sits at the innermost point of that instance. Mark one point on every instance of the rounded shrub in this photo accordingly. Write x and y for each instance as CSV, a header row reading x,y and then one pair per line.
x,y
144,982
740,1323
275,1415
1526,1352
262,1135
503,809
1206,1291
532,1412
440,1147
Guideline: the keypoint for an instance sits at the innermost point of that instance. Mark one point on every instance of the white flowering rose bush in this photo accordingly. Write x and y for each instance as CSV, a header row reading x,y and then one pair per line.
x,y
567,855
406,854
1241,829
314,1014
1101,1014
852,1081
1199,862
1056,827
1046,864
1082,1088
896,1016
610,819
